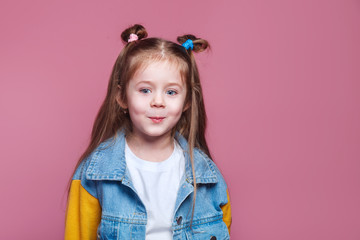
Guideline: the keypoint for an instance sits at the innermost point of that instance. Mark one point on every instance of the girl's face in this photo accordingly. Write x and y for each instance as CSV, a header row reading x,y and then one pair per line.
x,y
155,99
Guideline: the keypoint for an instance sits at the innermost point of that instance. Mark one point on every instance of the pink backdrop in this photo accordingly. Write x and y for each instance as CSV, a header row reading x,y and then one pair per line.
x,y
282,93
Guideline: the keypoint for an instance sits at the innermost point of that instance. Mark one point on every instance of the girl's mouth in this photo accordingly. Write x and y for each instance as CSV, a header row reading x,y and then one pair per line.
x,y
157,119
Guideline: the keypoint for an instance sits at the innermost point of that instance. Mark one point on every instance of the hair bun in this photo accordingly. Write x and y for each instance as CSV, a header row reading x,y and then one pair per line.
x,y
199,43
137,29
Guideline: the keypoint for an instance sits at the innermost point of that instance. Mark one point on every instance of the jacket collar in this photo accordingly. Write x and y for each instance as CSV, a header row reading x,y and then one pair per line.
x,y
108,161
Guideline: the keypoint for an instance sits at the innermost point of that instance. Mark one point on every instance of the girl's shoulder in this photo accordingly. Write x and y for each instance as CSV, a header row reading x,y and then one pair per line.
x,y
208,168
208,173
102,161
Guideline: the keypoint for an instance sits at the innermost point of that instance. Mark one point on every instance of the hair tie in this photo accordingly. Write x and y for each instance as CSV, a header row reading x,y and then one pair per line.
x,y
133,37
188,44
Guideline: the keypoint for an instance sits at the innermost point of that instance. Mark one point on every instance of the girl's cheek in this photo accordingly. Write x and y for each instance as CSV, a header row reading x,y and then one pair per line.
x,y
176,111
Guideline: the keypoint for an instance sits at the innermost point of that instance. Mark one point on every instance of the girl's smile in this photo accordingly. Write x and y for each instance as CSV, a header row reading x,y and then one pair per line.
x,y
157,119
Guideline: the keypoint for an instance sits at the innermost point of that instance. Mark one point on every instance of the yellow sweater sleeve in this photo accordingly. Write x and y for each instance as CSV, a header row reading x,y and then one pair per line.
x,y
83,213
227,213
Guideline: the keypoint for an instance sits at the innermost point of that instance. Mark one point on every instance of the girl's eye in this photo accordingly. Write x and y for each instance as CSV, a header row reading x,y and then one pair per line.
x,y
145,90
171,92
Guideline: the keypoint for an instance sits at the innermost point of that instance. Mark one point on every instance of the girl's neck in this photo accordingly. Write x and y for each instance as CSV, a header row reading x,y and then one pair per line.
x,y
153,149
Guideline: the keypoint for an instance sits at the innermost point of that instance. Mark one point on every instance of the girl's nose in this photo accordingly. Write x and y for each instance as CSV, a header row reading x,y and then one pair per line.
x,y
158,100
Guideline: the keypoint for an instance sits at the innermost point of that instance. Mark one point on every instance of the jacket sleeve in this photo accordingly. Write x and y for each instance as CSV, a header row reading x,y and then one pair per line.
x,y
227,212
83,213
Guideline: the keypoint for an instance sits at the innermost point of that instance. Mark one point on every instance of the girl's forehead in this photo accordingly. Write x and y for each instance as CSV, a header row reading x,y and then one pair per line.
x,y
164,64
160,67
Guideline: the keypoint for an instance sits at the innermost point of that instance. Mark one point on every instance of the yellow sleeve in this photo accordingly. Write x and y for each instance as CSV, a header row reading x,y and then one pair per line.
x,y
227,212
83,213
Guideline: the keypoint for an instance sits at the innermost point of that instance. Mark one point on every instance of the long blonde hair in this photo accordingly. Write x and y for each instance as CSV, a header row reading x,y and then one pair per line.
x,y
137,54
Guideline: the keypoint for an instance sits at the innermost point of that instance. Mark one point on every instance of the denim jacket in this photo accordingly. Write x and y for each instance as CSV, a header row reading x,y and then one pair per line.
x,y
103,203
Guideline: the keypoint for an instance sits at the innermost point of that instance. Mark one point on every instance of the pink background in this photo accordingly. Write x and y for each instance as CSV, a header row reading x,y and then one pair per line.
x,y
282,94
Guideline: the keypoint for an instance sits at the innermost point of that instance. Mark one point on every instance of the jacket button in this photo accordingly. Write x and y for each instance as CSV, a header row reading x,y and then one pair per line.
x,y
213,238
179,220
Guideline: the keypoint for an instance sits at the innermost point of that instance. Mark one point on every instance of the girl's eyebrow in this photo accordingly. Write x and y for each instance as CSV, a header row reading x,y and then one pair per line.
x,y
175,84
151,83
144,81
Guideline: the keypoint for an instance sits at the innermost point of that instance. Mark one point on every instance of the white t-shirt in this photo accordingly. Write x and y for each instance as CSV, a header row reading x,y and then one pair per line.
x,y
157,184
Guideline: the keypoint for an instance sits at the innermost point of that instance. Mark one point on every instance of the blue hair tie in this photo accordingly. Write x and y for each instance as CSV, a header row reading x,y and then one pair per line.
x,y
188,44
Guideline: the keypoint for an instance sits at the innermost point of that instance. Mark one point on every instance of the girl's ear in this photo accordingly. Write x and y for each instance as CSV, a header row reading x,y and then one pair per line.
x,y
186,106
118,99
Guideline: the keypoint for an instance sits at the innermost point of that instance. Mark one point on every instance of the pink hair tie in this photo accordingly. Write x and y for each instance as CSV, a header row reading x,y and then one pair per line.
x,y
133,37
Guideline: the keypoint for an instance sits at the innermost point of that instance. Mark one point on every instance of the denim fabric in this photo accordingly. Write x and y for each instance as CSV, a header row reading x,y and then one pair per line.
x,y
105,176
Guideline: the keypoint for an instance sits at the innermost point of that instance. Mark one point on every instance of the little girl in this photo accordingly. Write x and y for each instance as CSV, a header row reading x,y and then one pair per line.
x,y
147,172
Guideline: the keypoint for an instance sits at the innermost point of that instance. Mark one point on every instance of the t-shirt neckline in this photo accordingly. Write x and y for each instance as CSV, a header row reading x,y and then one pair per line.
x,y
164,165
